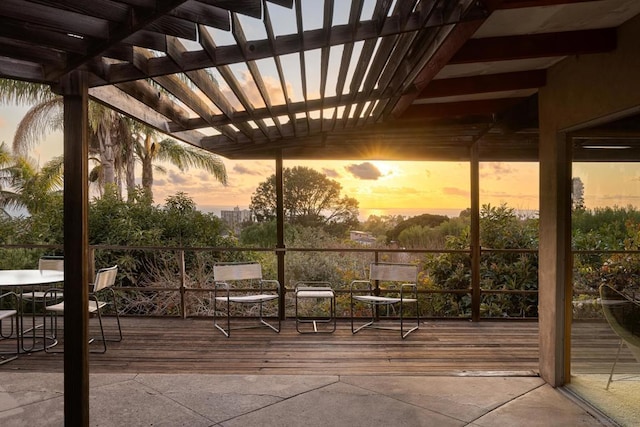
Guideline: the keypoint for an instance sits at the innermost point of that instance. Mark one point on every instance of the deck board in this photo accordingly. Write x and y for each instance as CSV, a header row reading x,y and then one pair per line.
x,y
173,345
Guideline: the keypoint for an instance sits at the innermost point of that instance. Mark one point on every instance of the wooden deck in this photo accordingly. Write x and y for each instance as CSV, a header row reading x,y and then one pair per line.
x,y
172,345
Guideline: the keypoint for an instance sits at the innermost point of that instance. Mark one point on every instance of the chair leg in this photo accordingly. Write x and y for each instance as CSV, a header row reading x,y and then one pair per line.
x,y
614,365
417,326
14,331
226,332
103,337
53,324
369,323
104,341
115,308
267,324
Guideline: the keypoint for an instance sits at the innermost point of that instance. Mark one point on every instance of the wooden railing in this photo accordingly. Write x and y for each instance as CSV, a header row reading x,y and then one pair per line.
x,y
192,291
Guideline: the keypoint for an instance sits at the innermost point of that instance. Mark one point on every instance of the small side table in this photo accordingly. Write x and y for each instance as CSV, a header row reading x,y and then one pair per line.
x,y
318,291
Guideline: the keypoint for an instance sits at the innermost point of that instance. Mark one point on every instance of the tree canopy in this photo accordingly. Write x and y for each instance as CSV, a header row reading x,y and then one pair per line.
x,y
424,220
310,199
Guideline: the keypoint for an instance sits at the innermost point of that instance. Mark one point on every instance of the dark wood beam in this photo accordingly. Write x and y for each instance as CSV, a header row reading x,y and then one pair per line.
x,y
454,40
454,109
485,83
26,71
536,46
282,45
518,4
116,32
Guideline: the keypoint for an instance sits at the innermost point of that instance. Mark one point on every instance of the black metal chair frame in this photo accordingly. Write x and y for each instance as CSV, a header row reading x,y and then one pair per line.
x,y
315,290
103,283
369,292
15,328
229,278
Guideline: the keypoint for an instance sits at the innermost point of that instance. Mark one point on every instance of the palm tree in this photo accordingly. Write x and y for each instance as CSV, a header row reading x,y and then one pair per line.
x,y
24,185
115,140
149,150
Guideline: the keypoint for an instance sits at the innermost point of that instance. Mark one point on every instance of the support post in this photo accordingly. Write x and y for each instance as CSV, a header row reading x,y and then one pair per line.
x,y
73,87
280,247
555,259
475,232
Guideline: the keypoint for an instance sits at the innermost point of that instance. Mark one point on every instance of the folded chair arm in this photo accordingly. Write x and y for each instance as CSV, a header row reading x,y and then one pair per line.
x,y
52,295
360,285
412,290
274,283
10,294
221,287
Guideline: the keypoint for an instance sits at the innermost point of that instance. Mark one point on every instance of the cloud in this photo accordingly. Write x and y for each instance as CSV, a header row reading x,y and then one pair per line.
x,y
331,173
366,171
453,191
243,170
272,85
495,170
178,178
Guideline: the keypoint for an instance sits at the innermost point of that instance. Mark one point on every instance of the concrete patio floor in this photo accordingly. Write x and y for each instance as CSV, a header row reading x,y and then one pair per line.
x,y
36,399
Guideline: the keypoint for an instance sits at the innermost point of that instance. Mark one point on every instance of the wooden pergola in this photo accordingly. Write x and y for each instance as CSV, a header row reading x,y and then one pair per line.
x,y
464,80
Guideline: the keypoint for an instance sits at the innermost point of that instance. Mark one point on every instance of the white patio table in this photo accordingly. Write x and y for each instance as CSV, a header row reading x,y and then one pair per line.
x,y
19,280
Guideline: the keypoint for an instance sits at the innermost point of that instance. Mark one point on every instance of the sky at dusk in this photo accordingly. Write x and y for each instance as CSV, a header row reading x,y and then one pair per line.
x,y
382,188
406,188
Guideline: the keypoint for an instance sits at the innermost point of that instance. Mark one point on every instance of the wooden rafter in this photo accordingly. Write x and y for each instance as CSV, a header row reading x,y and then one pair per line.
x,y
402,47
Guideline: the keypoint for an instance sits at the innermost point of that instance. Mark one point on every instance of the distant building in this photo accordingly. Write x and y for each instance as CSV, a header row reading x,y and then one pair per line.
x,y
235,218
363,237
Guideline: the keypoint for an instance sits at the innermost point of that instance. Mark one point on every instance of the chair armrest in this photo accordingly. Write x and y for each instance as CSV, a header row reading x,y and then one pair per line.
x,y
53,294
10,293
222,287
413,289
270,282
355,285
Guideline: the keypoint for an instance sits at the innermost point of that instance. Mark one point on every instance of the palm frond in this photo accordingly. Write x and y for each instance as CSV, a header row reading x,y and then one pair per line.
x,y
37,123
24,93
185,156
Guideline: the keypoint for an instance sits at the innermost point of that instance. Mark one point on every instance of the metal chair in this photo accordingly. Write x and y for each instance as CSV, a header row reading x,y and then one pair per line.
x,y
7,314
35,297
241,283
103,283
623,315
390,285
316,291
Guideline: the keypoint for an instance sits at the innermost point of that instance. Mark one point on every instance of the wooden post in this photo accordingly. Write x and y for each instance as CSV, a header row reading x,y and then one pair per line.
x,y
280,247
475,232
73,87
554,306
183,287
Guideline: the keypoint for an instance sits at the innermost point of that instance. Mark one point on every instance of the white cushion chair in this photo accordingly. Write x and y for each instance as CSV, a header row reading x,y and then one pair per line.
x,y
623,315
241,284
9,313
37,297
390,285
316,291
102,284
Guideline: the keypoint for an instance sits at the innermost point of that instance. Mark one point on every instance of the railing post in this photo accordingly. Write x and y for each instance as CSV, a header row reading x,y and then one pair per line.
x,y
92,264
475,233
376,289
183,289
280,247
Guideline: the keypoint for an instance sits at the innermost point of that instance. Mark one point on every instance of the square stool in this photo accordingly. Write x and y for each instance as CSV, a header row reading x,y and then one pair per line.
x,y
318,291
